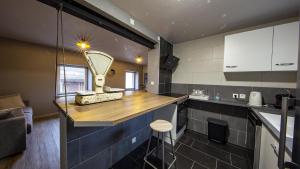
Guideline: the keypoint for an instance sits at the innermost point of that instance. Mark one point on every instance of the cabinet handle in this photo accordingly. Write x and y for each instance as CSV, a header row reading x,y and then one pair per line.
x,y
231,66
274,149
284,64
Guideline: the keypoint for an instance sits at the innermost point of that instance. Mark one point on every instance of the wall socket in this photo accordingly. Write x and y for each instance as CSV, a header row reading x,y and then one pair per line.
x,y
133,140
235,95
242,96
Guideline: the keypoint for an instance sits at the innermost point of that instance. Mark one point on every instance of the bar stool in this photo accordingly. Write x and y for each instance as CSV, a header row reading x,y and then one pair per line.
x,y
161,127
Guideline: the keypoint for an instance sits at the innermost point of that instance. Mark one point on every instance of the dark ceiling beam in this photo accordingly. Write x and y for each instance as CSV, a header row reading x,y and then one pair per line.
x,y
80,11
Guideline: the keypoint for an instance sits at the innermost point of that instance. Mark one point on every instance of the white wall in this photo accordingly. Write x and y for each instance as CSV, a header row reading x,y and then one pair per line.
x,y
201,62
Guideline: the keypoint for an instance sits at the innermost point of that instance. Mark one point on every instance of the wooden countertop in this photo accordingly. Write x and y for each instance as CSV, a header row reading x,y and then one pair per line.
x,y
114,112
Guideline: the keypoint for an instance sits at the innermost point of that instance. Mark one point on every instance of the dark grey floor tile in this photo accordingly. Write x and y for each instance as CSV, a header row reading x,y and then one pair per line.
x,y
182,162
196,136
197,166
231,148
157,162
222,165
197,156
185,139
176,146
138,154
125,163
213,151
240,162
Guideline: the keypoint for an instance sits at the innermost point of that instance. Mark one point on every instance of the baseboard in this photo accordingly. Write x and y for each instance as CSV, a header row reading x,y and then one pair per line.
x,y
45,116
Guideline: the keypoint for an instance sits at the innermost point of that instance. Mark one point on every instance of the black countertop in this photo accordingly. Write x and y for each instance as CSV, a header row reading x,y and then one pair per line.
x,y
256,110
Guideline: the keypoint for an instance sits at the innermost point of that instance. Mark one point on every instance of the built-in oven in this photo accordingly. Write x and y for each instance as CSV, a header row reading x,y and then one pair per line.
x,y
253,138
182,116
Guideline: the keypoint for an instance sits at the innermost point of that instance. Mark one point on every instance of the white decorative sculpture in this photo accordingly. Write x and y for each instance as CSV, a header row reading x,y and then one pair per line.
x,y
99,64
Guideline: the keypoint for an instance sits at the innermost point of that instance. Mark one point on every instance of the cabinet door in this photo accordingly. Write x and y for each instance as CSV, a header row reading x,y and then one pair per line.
x,y
285,47
268,151
248,51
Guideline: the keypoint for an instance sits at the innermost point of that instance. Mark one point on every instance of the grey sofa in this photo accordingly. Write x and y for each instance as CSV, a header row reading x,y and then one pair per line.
x,y
12,132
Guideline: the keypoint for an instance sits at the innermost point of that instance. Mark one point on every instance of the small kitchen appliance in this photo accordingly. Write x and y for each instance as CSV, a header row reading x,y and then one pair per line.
x,y
255,98
278,101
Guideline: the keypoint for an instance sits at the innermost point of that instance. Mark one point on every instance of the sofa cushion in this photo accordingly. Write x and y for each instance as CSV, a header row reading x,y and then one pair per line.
x,y
11,102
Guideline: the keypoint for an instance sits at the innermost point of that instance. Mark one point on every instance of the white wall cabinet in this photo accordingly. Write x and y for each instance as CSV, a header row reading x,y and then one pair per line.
x,y
285,47
268,156
248,51
268,49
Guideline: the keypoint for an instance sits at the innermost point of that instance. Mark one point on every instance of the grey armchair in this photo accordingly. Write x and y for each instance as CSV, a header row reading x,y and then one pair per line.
x,y
12,133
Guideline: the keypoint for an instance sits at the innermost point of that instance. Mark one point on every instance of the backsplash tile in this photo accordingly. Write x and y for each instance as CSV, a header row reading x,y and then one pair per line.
x,y
179,88
225,92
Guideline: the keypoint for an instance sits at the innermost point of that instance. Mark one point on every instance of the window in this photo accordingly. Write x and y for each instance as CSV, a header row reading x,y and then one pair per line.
x,y
131,81
77,79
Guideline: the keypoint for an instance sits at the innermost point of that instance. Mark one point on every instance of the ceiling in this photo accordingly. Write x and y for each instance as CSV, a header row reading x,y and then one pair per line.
x,y
183,20
35,22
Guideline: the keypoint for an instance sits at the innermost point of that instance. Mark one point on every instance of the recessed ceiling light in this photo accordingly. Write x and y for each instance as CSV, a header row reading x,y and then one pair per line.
x,y
131,21
173,22
208,1
139,59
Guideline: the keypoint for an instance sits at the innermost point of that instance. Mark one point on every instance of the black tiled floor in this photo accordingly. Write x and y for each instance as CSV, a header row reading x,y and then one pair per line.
x,y
239,162
193,151
197,156
213,151
222,165
197,166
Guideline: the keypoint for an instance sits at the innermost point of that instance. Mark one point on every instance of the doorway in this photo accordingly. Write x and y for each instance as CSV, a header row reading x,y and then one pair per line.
x,y
131,80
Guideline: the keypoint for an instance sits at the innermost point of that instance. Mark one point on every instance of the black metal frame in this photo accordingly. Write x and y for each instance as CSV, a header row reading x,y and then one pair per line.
x,y
80,11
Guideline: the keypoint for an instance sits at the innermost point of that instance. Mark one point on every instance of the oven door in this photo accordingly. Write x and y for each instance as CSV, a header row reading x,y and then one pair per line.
x,y
253,138
182,113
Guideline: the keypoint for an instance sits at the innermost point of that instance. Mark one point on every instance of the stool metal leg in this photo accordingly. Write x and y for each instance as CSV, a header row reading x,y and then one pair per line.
x,y
157,147
163,151
173,152
148,147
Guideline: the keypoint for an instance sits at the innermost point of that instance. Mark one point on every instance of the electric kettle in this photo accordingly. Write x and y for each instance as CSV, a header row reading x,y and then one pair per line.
x,y
255,98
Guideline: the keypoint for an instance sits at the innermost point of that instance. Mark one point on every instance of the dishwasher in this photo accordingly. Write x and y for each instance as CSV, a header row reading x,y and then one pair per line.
x,y
253,138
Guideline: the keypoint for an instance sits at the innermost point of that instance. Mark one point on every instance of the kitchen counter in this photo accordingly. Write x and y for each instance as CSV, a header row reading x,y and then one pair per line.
x,y
113,112
271,127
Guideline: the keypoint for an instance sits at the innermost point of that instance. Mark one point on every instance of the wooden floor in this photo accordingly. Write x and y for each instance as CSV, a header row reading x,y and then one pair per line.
x,y
42,148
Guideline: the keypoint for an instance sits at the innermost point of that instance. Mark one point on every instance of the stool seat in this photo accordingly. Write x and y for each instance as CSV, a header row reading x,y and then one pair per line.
x,y
161,126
